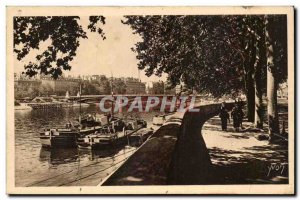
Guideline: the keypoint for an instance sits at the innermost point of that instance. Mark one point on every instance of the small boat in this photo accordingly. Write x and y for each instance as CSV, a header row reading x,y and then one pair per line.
x,y
80,104
46,103
95,120
158,120
22,106
116,133
139,137
67,136
75,105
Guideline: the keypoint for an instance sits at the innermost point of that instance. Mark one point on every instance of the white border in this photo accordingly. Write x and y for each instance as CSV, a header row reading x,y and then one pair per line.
x,y
103,3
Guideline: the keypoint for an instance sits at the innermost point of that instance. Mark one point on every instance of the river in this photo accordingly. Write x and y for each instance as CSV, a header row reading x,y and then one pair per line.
x,y
37,166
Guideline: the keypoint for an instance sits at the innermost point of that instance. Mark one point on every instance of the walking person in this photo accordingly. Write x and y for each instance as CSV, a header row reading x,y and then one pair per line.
x,y
224,118
240,106
235,115
241,117
223,105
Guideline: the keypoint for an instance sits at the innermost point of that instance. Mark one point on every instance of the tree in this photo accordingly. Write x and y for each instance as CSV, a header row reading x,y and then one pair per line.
x,y
64,33
206,52
119,86
158,87
89,88
46,90
105,84
253,65
190,48
275,38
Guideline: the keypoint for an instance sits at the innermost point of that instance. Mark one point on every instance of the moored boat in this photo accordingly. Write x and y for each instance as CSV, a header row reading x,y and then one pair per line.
x,y
115,133
59,137
158,120
67,136
22,106
140,136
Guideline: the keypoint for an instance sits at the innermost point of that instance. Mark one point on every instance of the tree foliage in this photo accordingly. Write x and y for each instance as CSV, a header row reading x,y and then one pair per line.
x,y
64,33
119,86
212,54
158,87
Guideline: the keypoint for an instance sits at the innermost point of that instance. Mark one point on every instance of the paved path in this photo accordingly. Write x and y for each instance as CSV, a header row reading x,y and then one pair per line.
x,y
239,158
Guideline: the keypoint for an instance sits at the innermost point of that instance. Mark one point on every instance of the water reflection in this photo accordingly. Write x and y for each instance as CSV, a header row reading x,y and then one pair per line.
x,y
97,154
69,155
59,156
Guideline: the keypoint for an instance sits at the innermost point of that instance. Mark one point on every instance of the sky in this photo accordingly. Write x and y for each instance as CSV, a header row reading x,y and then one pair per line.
x,y
97,56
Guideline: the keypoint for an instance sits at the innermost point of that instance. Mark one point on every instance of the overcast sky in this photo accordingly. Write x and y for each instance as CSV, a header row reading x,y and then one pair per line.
x,y
95,56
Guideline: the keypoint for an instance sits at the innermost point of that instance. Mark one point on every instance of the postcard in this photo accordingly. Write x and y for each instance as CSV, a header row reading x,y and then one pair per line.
x,y
150,100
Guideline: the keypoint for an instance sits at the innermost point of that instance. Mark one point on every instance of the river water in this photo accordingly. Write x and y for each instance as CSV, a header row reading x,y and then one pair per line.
x,y
37,166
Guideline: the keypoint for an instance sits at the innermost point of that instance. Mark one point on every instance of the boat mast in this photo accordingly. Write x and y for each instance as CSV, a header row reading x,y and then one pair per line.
x,y
80,102
112,94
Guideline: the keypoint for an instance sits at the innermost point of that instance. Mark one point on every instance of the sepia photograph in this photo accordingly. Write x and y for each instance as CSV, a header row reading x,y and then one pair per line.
x,y
150,100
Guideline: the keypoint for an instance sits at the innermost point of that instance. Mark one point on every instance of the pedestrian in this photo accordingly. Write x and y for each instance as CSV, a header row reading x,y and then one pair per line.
x,y
224,118
240,105
235,115
223,105
241,116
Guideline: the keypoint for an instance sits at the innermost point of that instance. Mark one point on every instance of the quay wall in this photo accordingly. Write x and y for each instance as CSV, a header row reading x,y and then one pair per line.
x,y
175,154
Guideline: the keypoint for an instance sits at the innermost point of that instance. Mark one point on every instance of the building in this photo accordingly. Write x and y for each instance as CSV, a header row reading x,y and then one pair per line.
x,y
45,85
61,85
160,87
95,78
134,86
25,86
25,82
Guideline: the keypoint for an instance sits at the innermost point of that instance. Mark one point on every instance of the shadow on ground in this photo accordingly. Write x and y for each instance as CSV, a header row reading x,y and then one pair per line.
x,y
239,158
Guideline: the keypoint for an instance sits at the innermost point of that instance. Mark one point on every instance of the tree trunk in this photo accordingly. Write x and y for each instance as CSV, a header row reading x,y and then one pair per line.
x,y
250,93
271,82
258,67
258,118
249,80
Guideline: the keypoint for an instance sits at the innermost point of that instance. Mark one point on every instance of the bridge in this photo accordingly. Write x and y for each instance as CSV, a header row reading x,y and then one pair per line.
x,y
130,97
97,98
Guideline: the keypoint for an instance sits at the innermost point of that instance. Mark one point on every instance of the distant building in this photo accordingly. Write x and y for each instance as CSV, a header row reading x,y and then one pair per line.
x,y
45,85
27,83
134,86
61,85
23,84
95,78
160,87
